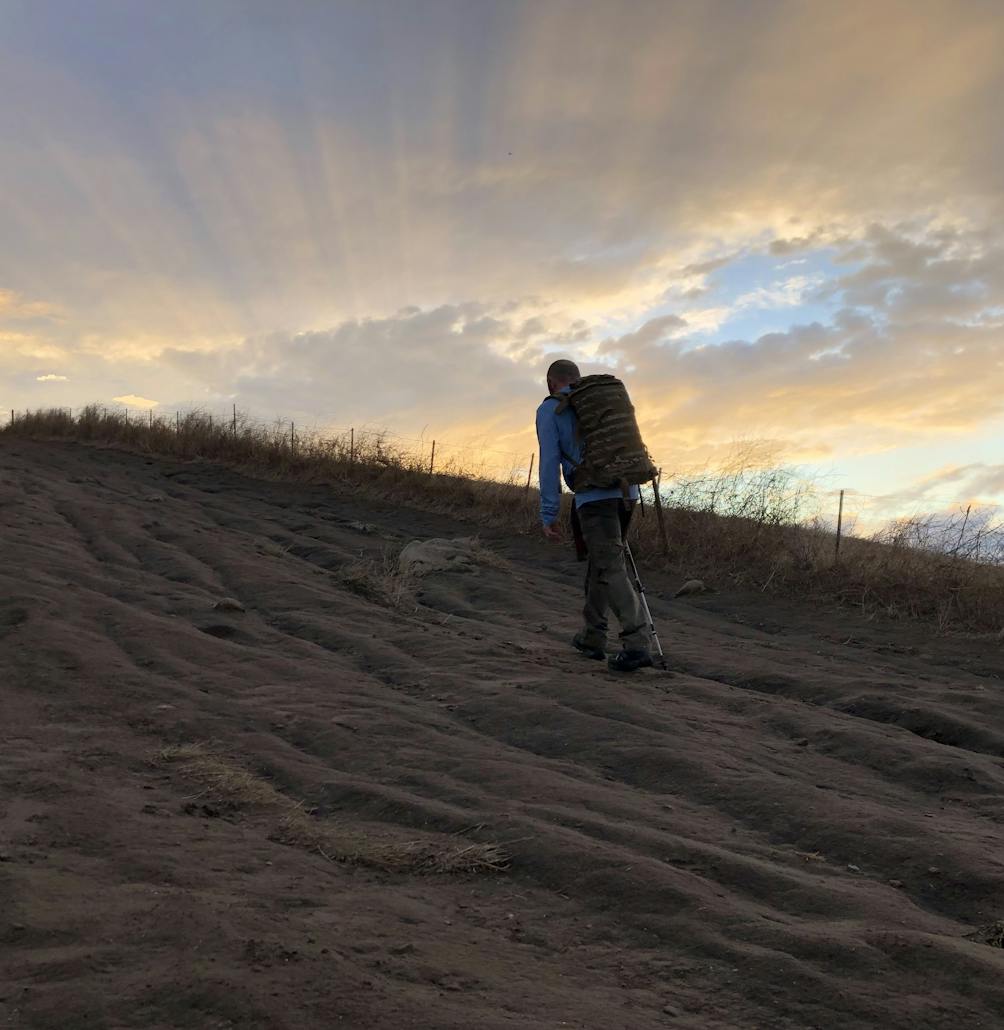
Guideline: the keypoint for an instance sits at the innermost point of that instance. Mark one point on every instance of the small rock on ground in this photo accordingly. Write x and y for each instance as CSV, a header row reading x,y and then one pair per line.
x,y
424,556
692,586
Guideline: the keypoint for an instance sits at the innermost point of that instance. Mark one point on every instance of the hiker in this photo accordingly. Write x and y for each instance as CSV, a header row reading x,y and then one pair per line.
x,y
600,518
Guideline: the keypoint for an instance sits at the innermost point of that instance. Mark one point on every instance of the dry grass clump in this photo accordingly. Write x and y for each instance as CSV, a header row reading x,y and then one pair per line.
x,y
381,581
484,555
755,526
749,523
992,935
378,849
228,785
901,582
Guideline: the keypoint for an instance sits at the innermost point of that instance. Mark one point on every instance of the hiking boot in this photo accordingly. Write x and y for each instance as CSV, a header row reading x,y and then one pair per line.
x,y
588,650
629,661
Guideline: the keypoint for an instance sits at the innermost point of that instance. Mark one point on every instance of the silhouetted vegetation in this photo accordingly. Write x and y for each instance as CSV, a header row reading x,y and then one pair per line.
x,y
746,525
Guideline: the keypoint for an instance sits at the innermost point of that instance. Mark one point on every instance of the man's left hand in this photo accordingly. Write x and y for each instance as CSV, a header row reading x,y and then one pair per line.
x,y
551,531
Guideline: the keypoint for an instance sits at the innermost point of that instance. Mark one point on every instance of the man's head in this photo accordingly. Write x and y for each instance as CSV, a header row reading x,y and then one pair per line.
x,y
562,373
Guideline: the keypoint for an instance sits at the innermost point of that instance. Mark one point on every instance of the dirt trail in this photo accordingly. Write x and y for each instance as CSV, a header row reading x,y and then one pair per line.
x,y
801,827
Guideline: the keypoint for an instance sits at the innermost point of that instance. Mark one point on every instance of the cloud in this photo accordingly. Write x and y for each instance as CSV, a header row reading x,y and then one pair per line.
x,y
875,377
14,307
224,205
407,238
978,482
786,294
51,378
906,358
22,351
130,400
987,480
653,334
378,370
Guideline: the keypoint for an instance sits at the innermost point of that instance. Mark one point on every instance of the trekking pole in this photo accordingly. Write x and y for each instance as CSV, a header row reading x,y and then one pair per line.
x,y
644,604
657,497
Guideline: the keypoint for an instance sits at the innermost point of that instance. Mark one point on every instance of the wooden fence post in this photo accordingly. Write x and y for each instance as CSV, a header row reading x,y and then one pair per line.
x,y
962,535
177,422
352,445
432,460
292,439
840,523
235,420
529,474
657,497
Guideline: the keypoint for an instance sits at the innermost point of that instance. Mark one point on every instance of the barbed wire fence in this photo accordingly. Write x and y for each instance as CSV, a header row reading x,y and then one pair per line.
x,y
968,528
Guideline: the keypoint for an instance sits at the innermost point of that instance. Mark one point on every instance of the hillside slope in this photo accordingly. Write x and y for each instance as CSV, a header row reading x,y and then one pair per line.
x,y
800,827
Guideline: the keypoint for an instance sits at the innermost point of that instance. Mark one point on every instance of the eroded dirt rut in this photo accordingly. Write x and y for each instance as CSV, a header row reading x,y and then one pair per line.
x,y
800,827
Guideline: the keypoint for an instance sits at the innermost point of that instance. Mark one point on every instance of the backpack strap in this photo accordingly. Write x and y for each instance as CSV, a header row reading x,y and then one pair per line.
x,y
562,405
563,399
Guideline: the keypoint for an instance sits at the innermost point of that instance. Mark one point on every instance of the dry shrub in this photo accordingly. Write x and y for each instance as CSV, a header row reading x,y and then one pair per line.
x,y
749,522
229,785
901,581
744,520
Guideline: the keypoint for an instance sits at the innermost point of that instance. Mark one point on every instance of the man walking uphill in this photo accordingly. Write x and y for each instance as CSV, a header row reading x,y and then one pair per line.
x,y
594,466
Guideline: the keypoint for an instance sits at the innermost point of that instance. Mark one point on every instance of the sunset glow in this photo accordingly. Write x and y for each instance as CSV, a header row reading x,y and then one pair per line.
x,y
781,222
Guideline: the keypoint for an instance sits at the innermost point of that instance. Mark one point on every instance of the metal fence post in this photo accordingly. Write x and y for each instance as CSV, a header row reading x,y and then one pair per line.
x,y
840,524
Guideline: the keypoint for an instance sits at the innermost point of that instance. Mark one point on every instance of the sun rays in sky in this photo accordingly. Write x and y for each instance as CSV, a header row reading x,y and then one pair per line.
x,y
780,221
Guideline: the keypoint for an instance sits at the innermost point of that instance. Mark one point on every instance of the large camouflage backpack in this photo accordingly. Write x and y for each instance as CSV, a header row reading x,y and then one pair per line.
x,y
612,451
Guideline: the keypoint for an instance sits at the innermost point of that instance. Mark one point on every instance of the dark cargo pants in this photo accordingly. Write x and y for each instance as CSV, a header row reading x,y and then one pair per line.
x,y
608,582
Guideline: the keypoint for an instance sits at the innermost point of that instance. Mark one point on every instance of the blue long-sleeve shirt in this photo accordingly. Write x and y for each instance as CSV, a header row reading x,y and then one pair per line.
x,y
559,454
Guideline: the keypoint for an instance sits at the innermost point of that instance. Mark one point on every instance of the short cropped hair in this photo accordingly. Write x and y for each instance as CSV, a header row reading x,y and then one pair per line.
x,y
564,371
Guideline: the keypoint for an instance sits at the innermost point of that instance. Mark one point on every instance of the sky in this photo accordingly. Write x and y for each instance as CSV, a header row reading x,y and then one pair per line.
x,y
781,222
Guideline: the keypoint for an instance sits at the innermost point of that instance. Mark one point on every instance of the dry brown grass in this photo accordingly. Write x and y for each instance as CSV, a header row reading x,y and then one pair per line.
x,y
993,935
225,782
484,555
381,581
229,786
748,524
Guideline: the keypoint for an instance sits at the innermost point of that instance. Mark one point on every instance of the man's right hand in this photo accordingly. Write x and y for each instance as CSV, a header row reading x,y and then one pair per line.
x,y
551,531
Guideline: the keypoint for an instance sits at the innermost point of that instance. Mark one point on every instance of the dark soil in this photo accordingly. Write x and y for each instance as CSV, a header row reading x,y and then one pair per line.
x,y
801,826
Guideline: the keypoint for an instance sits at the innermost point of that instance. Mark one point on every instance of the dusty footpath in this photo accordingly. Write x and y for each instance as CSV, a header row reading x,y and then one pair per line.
x,y
800,827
